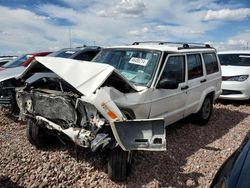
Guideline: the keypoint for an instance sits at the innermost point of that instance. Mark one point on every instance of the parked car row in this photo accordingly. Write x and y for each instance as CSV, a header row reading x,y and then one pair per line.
x,y
12,70
117,99
6,59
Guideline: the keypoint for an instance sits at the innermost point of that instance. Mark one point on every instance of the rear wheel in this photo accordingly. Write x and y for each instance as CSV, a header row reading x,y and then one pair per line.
x,y
36,135
204,114
119,164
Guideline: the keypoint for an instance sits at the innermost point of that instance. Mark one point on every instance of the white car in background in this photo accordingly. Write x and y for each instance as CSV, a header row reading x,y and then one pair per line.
x,y
235,67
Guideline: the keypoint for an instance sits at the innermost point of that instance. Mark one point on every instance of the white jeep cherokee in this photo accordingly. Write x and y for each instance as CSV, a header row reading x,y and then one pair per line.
x,y
123,100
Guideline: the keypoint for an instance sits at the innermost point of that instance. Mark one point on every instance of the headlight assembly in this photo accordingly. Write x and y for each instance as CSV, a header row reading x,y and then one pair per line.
x,y
239,78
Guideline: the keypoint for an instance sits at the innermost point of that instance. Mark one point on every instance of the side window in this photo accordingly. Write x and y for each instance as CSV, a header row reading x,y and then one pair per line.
x,y
194,66
174,69
210,62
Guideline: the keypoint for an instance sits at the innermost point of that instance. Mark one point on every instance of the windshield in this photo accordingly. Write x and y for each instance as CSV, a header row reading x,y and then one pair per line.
x,y
137,66
235,59
17,62
63,53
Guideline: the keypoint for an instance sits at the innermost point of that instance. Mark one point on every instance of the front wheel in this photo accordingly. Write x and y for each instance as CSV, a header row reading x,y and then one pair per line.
x,y
118,164
204,114
36,135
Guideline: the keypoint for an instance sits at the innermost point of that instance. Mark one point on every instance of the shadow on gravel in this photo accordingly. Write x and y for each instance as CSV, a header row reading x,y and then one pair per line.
x,y
233,102
152,169
96,159
166,168
6,182
183,140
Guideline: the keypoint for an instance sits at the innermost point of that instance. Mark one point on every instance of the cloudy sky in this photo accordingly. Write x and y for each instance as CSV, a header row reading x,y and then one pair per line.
x,y
29,25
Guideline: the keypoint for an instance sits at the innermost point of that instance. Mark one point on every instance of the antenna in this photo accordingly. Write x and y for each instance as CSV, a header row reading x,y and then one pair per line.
x,y
69,37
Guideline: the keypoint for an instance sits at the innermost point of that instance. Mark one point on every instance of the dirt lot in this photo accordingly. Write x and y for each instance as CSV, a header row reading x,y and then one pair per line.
x,y
194,154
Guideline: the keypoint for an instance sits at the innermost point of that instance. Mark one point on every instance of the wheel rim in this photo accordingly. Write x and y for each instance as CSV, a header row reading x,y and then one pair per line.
x,y
206,109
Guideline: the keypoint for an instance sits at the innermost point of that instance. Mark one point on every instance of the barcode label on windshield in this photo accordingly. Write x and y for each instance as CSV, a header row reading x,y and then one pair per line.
x,y
138,61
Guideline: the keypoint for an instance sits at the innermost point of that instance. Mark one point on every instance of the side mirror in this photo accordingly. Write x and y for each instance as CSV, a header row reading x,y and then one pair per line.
x,y
167,84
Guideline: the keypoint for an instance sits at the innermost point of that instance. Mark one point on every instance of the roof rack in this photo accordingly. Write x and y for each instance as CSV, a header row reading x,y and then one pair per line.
x,y
3,56
91,47
184,45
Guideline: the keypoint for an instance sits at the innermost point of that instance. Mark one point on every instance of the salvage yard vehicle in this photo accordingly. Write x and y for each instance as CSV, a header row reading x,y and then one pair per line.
x,y
235,66
123,100
8,77
234,172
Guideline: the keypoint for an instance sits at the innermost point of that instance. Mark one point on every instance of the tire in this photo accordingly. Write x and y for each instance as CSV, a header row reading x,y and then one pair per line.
x,y
36,135
202,117
118,164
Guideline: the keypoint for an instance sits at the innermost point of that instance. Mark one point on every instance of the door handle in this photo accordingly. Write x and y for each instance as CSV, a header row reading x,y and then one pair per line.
x,y
184,87
204,80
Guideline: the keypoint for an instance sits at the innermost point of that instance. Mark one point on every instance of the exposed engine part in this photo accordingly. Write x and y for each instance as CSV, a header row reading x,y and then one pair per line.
x,y
56,108
102,141
91,117
80,136
7,95
62,112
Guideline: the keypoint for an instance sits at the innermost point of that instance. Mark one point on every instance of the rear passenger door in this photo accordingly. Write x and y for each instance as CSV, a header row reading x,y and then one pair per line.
x,y
195,81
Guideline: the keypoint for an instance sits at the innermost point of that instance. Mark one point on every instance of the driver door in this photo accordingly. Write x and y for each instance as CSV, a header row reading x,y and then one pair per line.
x,y
170,103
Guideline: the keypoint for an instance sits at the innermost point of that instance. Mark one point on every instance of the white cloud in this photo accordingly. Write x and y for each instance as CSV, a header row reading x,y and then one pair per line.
x,y
184,31
139,32
241,41
123,8
105,23
228,14
24,31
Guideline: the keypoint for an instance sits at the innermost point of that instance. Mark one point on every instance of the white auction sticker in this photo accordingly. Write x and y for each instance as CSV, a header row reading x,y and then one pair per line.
x,y
244,56
138,61
70,52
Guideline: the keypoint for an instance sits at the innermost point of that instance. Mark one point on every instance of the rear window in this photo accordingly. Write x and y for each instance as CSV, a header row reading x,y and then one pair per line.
x,y
211,62
235,59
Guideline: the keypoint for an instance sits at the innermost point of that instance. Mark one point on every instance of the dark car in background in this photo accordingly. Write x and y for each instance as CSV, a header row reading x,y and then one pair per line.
x,y
86,53
8,77
23,60
235,171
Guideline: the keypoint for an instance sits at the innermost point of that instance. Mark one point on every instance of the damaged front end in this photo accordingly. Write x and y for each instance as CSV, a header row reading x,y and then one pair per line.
x,y
66,114
65,107
63,113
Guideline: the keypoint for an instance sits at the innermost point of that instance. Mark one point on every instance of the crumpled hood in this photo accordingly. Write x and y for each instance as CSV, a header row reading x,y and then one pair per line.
x,y
9,73
85,76
234,70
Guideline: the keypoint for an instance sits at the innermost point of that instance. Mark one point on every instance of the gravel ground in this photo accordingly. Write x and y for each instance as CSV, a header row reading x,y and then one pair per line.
x,y
194,155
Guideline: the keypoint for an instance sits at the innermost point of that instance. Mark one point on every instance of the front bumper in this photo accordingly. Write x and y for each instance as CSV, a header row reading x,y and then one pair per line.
x,y
235,90
140,134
